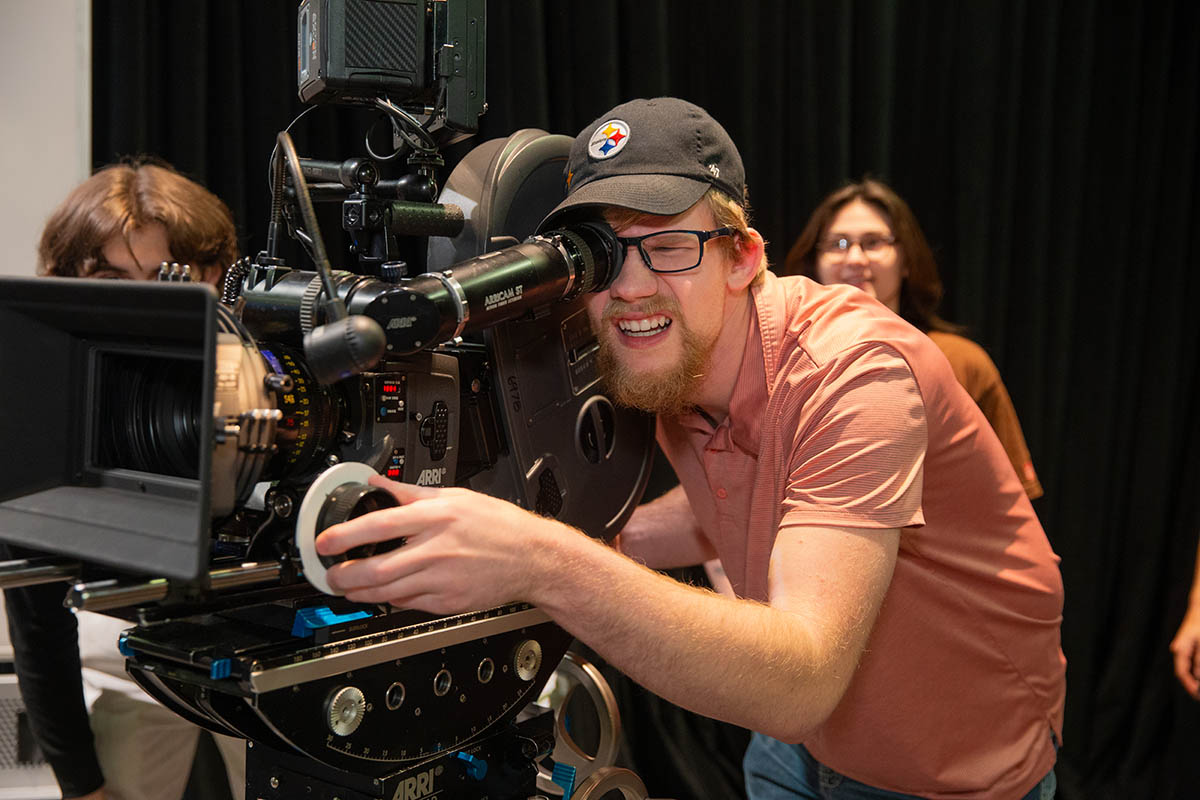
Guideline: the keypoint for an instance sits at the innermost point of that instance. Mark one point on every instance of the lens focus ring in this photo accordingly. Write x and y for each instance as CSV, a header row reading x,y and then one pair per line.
x,y
350,501
581,258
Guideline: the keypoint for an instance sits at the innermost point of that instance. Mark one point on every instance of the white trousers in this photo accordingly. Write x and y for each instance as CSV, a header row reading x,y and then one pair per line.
x,y
146,752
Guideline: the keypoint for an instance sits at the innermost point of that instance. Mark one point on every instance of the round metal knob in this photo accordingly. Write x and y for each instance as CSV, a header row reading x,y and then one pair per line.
x,y
345,710
528,659
392,271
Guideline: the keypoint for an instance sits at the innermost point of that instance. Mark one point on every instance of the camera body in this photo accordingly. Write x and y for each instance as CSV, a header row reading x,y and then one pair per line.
x,y
178,452
177,438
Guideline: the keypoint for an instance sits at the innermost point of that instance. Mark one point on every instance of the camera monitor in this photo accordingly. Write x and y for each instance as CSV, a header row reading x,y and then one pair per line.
x,y
418,53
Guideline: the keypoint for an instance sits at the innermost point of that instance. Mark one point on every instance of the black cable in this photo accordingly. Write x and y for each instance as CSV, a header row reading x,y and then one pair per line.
x,y
301,236
439,107
405,122
367,141
275,184
334,308
231,286
254,536
272,165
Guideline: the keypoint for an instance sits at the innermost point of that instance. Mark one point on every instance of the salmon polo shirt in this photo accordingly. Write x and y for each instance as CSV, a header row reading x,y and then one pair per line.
x,y
845,415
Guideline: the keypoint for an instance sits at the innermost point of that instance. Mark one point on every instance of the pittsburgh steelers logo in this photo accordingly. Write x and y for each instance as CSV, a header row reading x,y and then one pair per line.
x,y
608,139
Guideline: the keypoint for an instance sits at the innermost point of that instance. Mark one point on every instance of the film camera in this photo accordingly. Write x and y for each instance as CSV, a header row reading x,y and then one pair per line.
x,y
178,454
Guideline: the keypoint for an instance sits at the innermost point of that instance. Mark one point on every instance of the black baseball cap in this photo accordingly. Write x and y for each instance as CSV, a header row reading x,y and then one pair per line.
x,y
656,156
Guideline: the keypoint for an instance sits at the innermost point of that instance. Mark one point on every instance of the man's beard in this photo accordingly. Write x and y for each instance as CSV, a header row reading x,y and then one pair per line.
x,y
670,390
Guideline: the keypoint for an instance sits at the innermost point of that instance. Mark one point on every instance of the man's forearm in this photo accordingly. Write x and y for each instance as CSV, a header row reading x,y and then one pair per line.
x,y
663,534
780,669
734,660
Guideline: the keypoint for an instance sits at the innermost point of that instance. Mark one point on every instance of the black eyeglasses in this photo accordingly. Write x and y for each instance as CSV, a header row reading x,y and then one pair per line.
x,y
873,245
673,251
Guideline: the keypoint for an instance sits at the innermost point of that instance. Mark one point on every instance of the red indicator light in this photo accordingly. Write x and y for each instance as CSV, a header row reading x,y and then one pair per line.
x,y
393,473
390,388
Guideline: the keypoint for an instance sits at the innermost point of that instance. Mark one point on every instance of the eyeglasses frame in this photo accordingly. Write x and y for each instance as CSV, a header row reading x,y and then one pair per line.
x,y
842,255
636,241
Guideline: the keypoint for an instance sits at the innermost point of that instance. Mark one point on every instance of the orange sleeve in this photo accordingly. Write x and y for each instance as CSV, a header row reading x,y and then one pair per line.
x,y
978,374
998,408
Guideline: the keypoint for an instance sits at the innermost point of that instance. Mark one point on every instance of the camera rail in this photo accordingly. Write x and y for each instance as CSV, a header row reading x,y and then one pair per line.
x,y
108,594
36,571
340,657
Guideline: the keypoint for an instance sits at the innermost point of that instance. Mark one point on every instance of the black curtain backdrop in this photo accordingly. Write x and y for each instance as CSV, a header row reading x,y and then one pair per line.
x,y
1049,149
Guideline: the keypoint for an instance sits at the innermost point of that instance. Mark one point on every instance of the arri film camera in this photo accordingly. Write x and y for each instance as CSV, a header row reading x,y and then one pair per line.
x,y
175,454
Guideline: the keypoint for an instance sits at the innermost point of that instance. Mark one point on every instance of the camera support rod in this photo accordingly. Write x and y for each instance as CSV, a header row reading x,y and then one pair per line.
x,y
107,594
34,571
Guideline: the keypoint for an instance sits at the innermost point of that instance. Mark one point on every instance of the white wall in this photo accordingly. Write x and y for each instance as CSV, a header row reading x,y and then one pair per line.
x,y
45,118
45,127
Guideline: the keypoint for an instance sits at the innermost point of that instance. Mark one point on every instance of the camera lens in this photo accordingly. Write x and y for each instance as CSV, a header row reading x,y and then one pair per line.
x,y
310,415
149,414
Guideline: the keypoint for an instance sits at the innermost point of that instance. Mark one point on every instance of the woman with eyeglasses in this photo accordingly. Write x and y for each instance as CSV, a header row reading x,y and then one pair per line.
x,y
864,234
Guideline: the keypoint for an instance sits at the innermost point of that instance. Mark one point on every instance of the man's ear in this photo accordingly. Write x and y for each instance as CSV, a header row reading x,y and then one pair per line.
x,y
748,256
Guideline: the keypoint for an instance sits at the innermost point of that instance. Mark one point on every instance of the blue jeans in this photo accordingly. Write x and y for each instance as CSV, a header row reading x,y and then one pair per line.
x,y
778,771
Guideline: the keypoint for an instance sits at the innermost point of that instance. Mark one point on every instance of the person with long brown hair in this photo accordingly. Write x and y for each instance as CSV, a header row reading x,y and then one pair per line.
x,y
122,222
865,235
128,218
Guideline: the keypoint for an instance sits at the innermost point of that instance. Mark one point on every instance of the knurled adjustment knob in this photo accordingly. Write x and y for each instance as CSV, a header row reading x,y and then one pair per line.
x,y
527,659
279,383
350,501
345,710
308,304
392,271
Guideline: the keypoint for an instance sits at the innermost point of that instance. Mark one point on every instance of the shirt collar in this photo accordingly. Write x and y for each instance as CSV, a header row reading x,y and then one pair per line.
x,y
742,427
750,392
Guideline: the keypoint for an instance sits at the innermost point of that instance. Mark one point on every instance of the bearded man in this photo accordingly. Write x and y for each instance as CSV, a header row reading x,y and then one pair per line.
x,y
895,630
